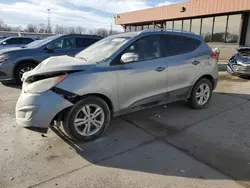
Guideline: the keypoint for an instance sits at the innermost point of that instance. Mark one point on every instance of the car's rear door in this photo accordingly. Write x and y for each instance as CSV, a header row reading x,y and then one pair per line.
x,y
143,82
183,63
26,41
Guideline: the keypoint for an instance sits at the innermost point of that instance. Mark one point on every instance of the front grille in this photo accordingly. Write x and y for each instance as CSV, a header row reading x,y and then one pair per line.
x,y
2,74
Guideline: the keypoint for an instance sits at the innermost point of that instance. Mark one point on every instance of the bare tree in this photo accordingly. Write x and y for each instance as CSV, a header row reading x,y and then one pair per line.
x,y
71,30
80,30
102,32
4,27
41,28
59,29
16,29
31,28
91,32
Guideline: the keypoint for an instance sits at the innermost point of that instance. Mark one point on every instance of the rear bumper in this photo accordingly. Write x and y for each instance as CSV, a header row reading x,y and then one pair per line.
x,y
38,110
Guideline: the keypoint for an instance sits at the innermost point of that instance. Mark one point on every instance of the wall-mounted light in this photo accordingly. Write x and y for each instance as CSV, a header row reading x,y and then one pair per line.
x,y
117,16
182,9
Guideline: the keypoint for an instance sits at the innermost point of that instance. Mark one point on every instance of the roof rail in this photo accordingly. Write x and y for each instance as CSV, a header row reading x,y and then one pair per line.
x,y
164,29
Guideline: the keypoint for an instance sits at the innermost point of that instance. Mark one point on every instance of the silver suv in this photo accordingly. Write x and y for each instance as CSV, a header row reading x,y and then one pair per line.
x,y
117,75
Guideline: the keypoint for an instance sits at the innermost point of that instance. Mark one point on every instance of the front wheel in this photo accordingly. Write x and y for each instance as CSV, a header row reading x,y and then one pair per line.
x,y
88,119
21,69
201,94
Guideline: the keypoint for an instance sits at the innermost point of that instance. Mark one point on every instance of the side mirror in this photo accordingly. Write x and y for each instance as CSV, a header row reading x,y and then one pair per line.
x,y
129,57
4,43
50,48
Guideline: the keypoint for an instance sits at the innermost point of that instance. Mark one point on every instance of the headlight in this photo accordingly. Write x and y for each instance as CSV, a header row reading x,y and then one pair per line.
x,y
242,64
4,58
44,85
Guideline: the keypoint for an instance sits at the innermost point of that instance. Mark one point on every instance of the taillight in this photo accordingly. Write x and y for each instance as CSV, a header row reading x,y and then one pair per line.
x,y
214,55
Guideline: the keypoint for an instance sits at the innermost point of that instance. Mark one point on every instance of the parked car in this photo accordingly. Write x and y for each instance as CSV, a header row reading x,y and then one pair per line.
x,y
120,74
2,37
239,64
14,62
11,42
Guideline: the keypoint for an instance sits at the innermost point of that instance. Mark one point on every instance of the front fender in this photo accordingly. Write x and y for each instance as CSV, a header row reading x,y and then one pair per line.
x,y
85,83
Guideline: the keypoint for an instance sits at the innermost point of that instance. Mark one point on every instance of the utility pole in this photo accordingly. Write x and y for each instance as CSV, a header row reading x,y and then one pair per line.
x,y
49,29
111,29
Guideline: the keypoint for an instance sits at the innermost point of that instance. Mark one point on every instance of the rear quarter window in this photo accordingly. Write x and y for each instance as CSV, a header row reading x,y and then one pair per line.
x,y
85,42
176,45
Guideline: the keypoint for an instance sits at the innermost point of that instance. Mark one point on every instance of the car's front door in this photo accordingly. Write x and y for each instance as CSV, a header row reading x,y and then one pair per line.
x,y
143,81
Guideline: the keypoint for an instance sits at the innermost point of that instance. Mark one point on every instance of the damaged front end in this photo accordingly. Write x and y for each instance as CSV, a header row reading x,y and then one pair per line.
x,y
239,64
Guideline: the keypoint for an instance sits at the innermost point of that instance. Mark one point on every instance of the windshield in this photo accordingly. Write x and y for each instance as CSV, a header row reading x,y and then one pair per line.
x,y
39,43
103,49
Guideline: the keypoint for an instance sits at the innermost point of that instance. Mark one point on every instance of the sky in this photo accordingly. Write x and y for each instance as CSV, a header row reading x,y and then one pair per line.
x,y
90,14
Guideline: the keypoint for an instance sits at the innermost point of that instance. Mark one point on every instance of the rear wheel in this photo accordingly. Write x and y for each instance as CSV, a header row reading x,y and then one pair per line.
x,y
201,94
21,69
88,119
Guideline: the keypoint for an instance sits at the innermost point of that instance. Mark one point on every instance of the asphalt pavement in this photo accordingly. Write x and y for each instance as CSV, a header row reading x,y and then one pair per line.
x,y
168,146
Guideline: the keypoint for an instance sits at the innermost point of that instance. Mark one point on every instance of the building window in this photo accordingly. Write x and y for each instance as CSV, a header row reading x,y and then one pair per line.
x,y
219,29
196,26
169,25
133,28
233,28
206,29
151,26
128,28
139,28
186,25
178,25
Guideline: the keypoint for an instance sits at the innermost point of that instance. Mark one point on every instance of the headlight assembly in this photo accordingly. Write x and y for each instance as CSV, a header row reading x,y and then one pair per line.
x,y
44,85
4,58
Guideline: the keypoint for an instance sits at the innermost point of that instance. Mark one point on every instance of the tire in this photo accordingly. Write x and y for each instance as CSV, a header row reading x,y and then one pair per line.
x,y
77,112
196,103
20,68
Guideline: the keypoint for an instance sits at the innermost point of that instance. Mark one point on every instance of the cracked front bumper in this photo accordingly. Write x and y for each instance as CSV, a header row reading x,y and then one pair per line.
x,y
38,110
238,69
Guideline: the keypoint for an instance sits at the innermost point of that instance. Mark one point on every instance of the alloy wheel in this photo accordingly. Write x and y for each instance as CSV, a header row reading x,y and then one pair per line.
x,y
23,70
203,94
89,120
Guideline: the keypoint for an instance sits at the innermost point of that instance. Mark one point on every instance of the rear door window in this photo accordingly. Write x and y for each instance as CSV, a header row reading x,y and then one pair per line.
x,y
85,42
27,40
14,41
176,45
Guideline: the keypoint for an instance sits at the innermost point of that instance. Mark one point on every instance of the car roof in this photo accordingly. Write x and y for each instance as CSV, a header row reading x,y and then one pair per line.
x,y
81,35
151,32
17,37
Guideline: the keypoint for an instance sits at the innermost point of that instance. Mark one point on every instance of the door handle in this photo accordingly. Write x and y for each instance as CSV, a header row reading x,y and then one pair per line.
x,y
195,62
159,69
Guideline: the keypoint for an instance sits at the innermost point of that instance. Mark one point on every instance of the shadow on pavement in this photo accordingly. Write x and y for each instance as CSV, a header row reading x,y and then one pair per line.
x,y
12,85
212,135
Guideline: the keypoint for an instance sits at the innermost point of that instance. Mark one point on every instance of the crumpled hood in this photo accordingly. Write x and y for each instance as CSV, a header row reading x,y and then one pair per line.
x,y
59,64
243,55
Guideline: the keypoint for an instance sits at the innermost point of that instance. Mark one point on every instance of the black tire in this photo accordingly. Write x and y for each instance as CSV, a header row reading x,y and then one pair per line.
x,y
192,101
69,126
19,68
